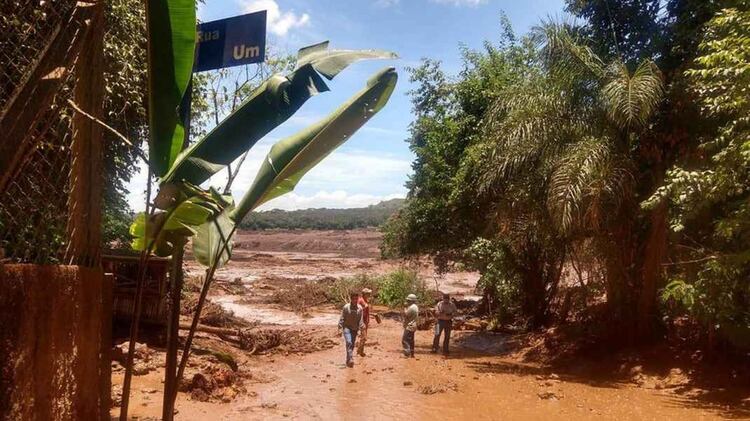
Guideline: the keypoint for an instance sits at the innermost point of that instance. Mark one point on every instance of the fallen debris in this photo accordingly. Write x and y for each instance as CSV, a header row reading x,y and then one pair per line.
x,y
437,388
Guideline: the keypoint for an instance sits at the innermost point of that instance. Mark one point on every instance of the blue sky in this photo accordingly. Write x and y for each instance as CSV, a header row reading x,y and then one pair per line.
x,y
374,164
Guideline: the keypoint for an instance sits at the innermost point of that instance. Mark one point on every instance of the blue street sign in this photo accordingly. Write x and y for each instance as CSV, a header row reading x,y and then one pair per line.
x,y
231,42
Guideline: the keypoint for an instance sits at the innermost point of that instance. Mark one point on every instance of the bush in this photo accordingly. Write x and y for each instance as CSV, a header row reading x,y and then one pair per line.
x,y
390,289
339,289
395,286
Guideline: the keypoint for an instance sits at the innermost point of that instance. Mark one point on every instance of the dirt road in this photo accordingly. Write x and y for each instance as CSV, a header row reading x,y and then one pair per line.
x,y
481,386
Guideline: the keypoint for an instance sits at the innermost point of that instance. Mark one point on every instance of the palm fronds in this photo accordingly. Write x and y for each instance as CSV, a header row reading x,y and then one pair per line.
x,y
564,53
589,176
630,100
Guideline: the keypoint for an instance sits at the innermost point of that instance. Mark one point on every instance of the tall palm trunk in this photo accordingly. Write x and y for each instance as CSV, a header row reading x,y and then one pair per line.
x,y
654,249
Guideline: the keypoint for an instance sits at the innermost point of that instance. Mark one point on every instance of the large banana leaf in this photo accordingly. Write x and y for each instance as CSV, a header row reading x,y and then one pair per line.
x,y
329,63
291,158
210,239
171,49
189,210
269,105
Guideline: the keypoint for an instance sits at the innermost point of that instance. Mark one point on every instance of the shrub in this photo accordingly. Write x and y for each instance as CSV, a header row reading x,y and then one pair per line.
x,y
390,289
339,289
395,286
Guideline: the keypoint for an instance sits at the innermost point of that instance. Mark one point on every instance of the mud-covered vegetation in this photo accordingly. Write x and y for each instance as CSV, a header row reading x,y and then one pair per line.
x,y
595,169
389,289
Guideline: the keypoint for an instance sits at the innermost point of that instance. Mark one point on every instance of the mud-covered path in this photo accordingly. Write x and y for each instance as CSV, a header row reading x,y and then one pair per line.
x,y
482,380
468,384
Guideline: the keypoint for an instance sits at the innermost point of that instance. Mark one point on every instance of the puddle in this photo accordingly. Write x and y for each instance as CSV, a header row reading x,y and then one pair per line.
x,y
271,315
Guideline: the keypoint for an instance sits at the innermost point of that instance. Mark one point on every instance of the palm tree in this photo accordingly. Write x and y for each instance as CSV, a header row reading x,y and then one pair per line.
x,y
573,129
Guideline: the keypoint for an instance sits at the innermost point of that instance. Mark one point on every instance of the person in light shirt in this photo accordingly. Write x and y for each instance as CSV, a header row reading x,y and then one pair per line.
x,y
445,310
350,323
411,313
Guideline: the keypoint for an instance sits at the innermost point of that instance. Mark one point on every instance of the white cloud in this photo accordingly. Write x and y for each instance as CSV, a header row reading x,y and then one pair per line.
x,y
344,179
357,172
386,3
470,3
279,22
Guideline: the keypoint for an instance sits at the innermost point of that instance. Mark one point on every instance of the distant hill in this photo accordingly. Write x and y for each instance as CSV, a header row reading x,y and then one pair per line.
x,y
323,218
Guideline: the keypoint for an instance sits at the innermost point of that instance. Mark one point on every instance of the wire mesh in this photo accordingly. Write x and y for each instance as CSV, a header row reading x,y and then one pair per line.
x,y
34,200
27,27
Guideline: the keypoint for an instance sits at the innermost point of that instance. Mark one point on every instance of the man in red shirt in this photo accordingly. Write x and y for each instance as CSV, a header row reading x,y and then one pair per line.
x,y
364,303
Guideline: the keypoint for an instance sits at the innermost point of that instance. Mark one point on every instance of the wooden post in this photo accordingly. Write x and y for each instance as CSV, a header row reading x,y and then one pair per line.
x,y
171,381
85,199
173,332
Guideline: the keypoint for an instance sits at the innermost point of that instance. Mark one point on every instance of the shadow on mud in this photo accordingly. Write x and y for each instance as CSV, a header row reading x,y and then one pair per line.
x,y
717,388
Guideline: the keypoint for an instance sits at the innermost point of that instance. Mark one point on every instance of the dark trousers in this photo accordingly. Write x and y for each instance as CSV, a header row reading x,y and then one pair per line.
x,y
408,342
440,327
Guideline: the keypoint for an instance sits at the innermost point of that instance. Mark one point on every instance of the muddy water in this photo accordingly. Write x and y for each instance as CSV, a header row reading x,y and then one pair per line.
x,y
477,382
469,385
267,314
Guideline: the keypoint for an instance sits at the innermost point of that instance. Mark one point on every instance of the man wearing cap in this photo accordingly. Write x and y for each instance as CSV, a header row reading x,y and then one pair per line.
x,y
349,324
411,313
444,311
364,302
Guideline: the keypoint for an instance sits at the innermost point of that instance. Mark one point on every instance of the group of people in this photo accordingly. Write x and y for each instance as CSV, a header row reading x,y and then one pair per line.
x,y
355,321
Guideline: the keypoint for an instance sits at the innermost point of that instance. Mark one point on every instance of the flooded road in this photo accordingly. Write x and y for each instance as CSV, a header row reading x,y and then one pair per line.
x,y
268,314
481,380
467,385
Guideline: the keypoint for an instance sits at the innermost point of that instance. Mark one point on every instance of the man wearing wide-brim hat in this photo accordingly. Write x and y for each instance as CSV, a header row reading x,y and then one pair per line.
x,y
411,313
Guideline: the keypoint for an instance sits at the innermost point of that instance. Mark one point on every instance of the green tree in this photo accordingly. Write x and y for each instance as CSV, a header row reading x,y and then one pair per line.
x,y
124,110
709,193
449,213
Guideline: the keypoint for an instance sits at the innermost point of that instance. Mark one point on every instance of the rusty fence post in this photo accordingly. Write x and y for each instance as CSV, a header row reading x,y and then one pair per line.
x,y
85,198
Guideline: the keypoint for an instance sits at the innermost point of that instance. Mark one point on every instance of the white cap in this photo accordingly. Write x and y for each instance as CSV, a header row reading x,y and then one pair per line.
x,y
411,297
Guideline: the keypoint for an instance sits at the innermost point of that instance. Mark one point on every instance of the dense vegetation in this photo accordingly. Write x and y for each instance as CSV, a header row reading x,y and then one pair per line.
x,y
323,218
601,159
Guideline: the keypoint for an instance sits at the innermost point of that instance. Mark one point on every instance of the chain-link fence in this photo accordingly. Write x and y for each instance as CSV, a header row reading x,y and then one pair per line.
x,y
39,48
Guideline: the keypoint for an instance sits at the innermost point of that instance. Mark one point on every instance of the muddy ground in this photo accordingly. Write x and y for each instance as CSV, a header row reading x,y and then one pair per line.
x,y
298,372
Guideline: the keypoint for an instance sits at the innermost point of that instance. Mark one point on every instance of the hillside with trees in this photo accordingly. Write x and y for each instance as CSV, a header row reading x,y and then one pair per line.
x,y
323,218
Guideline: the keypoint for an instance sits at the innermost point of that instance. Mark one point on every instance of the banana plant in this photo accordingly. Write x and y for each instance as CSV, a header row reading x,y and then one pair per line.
x,y
290,159
286,163
171,47
186,210
268,106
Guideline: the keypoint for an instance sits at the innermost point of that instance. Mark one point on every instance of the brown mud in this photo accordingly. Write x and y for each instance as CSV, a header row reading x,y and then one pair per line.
x,y
487,376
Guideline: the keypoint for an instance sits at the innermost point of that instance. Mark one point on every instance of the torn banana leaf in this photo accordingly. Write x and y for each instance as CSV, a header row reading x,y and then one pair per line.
x,y
291,158
268,106
165,230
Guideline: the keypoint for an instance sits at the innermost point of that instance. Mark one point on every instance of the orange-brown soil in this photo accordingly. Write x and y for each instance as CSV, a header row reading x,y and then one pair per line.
x,y
488,376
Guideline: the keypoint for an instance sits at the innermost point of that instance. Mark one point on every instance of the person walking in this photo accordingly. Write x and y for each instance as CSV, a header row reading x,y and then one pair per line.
x,y
350,323
445,310
364,302
411,313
